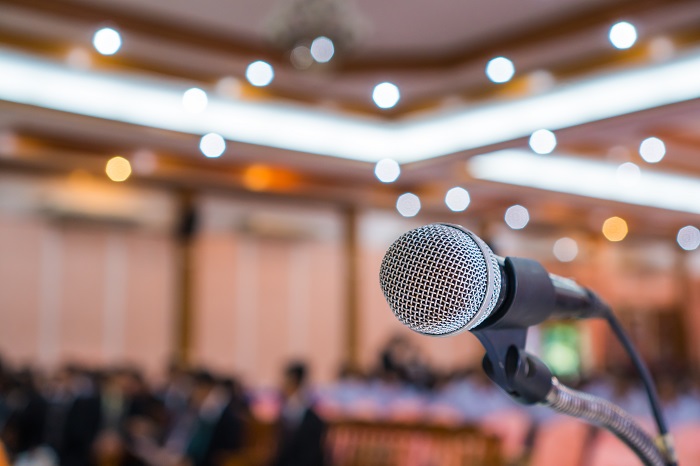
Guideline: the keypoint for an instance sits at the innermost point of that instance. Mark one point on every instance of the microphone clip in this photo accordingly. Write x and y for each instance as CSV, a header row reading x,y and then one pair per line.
x,y
523,376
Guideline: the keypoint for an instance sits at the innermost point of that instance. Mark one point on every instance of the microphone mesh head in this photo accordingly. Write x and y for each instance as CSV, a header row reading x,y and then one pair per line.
x,y
440,279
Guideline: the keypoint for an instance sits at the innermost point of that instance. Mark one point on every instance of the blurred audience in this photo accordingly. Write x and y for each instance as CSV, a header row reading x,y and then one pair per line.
x,y
78,416
301,430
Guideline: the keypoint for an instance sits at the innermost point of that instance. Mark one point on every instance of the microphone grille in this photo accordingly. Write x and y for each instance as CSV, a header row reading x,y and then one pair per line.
x,y
440,279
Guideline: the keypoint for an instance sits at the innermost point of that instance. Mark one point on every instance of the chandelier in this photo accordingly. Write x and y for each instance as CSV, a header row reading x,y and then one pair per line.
x,y
315,31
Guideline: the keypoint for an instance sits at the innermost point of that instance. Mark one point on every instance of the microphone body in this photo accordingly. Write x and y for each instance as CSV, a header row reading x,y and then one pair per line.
x,y
441,279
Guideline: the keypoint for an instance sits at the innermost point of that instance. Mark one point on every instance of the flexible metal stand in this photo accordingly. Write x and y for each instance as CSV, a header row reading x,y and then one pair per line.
x,y
529,381
605,414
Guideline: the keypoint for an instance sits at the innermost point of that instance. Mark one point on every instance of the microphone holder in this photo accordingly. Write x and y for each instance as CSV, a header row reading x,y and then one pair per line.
x,y
528,380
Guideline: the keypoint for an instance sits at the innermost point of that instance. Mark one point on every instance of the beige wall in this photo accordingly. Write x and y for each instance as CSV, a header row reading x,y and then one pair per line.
x,y
269,285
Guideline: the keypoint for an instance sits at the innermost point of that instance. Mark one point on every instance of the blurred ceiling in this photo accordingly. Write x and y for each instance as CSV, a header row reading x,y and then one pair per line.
x,y
434,51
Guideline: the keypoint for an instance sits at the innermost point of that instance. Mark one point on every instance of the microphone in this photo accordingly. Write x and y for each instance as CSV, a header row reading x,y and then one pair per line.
x,y
441,279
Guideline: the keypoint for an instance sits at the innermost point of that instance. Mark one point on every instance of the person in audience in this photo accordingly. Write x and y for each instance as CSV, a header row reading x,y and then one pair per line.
x,y
301,430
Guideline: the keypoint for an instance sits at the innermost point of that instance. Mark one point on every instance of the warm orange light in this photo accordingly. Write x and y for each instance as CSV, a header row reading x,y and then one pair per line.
x,y
118,169
257,177
615,229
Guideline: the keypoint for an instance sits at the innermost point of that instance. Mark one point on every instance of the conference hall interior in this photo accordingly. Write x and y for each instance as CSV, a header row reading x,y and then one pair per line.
x,y
196,199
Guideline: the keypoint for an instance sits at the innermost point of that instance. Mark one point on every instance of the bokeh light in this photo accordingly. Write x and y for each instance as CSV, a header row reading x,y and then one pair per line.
x,y
301,57
386,95
408,205
500,70
259,73
688,238
229,86
623,35
79,58
517,217
212,145
118,169
387,170
628,175
322,49
195,100
652,150
144,162
257,177
107,41
457,199
543,141
615,229
565,249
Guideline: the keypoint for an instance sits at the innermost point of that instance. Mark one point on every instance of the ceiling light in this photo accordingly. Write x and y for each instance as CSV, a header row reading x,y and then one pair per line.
x,y
652,150
565,249
79,58
623,35
229,86
688,238
543,141
457,199
386,95
615,229
144,161
408,205
194,100
301,57
628,175
387,170
517,217
259,73
500,70
586,177
212,145
118,169
107,41
322,49
158,104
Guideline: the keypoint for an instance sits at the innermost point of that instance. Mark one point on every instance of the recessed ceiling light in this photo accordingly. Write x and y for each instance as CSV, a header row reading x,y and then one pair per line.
x,y
107,41
500,70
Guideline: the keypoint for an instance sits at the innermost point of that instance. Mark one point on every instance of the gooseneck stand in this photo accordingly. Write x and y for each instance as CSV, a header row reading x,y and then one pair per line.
x,y
528,380
605,414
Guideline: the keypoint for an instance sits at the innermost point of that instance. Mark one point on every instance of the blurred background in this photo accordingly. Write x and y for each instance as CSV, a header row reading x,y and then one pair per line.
x,y
195,198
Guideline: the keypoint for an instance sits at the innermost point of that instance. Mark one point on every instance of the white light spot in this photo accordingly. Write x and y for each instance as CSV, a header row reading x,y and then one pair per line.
x,y
565,249
623,35
107,41
322,49
628,175
259,73
408,205
517,217
652,150
212,145
688,238
457,199
386,95
500,70
543,141
387,170
301,58
194,100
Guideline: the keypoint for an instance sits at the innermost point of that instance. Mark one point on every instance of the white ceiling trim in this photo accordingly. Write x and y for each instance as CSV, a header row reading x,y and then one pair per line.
x,y
158,104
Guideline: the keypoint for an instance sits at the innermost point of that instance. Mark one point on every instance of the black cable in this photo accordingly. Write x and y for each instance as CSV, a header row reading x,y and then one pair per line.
x,y
645,375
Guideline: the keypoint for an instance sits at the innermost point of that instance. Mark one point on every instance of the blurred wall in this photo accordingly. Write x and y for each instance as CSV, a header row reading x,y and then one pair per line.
x,y
89,275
